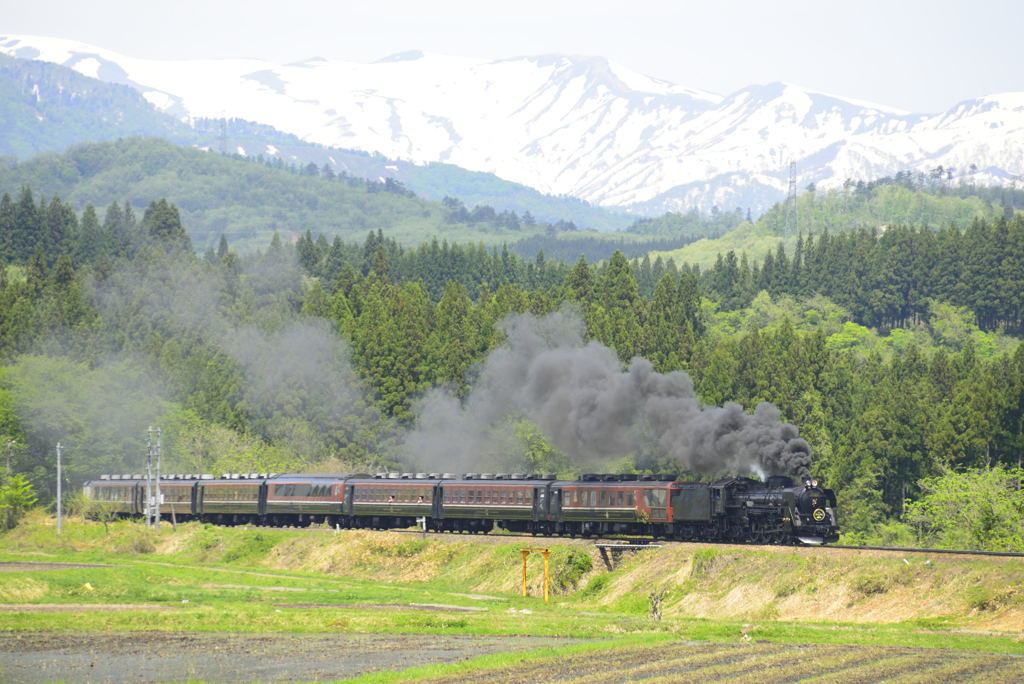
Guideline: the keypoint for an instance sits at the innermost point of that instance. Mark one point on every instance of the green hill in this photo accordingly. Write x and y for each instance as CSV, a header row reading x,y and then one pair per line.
x,y
244,200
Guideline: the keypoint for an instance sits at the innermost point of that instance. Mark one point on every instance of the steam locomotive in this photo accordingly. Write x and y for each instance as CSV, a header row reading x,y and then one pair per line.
x,y
736,509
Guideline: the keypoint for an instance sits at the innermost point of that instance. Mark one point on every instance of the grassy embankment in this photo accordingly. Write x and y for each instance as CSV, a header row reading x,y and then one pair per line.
x,y
203,578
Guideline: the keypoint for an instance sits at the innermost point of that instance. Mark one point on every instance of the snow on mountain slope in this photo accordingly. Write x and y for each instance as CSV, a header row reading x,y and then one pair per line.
x,y
579,126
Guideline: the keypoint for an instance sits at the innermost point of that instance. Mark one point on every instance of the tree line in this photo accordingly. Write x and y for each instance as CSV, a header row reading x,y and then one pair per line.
x,y
886,278
119,311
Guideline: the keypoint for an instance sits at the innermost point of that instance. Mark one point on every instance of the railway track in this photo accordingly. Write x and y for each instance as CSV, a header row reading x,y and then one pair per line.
x,y
907,549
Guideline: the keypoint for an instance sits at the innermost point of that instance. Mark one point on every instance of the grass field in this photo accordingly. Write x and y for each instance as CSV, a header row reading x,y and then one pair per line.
x,y
755,241
277,586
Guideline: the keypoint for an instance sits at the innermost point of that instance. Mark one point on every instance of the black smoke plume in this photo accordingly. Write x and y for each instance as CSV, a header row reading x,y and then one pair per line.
x,y
593,411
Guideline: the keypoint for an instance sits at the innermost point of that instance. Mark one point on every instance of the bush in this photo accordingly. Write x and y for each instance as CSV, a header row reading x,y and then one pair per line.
x,y
979,509
16,498
572,568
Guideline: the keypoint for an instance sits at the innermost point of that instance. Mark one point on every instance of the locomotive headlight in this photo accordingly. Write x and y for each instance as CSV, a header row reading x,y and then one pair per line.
x,y
814,483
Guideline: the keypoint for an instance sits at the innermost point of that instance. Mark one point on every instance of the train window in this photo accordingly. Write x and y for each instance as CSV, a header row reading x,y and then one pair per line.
x,y
446,496
620,498
519,496
479,496
654,497
629,499
487,496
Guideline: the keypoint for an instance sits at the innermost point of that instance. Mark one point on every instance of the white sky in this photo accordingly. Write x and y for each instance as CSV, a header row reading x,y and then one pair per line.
x,y
920,55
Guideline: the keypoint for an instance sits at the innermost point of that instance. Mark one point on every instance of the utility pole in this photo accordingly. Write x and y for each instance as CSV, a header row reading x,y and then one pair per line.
x,y
149,477
159,497
60,504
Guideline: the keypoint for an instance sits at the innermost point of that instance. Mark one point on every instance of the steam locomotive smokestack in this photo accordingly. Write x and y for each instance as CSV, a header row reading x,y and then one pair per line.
x,y
593,411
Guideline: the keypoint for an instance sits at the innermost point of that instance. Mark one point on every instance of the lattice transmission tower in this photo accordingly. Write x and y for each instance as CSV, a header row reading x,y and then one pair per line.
x,y
790,222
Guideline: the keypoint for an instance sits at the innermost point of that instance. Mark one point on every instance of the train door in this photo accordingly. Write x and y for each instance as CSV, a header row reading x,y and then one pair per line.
x,y
346,504
540,503
555,505
262,496
435,502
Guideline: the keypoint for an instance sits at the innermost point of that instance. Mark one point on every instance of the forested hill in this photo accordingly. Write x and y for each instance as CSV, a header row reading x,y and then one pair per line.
x,y
247,201
909,200
45,107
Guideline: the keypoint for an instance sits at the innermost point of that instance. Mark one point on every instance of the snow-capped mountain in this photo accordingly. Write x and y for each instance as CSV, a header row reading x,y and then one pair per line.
x,y
576,126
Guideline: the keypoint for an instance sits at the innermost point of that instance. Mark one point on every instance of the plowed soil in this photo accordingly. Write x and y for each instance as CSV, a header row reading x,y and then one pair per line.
x,y
29,657
762,662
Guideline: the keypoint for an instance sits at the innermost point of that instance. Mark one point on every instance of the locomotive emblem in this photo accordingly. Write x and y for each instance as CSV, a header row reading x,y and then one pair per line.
x,y
818,515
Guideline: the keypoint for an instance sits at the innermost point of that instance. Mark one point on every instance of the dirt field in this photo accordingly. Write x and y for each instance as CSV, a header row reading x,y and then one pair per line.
x,y
159,656
764,662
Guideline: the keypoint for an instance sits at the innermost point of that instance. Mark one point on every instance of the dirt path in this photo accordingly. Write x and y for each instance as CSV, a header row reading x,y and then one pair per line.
x,y
30,657
35,566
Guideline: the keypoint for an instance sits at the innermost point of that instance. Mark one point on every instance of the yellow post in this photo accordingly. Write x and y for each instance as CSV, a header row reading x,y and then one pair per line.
x,y
525,552
545,552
